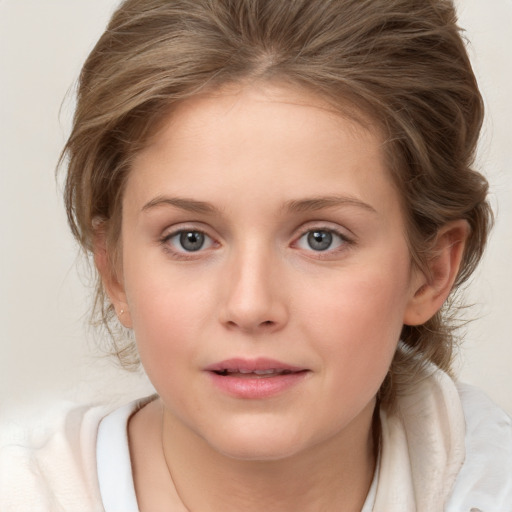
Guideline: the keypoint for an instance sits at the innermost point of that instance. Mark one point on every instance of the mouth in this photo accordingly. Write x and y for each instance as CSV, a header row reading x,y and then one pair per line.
x,y
253,368
255,374
255,379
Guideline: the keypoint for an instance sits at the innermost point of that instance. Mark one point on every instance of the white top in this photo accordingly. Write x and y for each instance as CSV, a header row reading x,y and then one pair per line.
x,y
447,448
114,465
113,461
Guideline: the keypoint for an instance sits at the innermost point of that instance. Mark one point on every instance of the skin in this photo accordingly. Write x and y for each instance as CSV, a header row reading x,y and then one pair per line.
x,y
221,165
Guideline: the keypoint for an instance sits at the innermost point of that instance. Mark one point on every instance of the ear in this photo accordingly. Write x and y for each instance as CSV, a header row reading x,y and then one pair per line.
x,y
110,274
431,288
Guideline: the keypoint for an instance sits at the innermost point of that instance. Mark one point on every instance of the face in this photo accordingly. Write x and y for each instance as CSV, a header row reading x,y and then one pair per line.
x,y
265,270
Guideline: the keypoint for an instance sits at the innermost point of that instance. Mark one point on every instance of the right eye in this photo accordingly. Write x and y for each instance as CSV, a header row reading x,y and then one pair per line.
x,y
188,240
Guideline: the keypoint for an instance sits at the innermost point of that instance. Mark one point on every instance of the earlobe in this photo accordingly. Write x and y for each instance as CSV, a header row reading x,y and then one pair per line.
x,y
112,284
431,289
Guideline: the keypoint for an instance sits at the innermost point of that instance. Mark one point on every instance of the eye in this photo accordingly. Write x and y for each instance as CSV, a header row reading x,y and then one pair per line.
x,y
320,240
188,241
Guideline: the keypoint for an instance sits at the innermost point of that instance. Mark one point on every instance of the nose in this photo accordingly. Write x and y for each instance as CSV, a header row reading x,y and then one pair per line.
x,y
254,295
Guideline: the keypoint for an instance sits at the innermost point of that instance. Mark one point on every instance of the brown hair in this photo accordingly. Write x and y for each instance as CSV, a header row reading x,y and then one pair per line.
x,y
403,62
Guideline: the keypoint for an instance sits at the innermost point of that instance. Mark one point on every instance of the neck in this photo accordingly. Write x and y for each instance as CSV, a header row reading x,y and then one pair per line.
x,y
332,475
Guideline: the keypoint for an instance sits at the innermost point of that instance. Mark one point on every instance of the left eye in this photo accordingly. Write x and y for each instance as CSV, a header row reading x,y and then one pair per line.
x,y
320,240
189,241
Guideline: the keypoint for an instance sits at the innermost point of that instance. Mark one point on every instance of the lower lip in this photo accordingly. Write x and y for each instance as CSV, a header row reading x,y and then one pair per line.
x,y
257,387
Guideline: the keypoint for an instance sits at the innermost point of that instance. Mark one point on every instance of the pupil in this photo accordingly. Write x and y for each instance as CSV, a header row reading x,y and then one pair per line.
x,y
191,240
320,240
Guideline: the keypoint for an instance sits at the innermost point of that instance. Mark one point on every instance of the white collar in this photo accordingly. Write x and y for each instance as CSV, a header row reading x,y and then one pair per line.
x,y
447,448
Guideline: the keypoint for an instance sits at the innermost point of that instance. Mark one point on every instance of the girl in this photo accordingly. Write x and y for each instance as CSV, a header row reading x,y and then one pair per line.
x,y
280,202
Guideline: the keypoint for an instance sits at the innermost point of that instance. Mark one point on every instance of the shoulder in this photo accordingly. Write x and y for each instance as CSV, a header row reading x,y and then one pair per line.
x,y
485,479
446,447
48,461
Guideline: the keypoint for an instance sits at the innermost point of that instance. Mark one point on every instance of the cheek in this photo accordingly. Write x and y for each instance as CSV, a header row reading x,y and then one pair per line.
x,y
163,326
166,311
358,326
366,302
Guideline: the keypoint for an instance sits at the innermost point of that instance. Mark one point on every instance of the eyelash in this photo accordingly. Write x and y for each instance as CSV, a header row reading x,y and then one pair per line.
x,y
344,242
183,254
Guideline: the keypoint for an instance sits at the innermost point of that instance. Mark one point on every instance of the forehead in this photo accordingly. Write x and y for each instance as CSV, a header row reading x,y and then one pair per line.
x,y
251,100
240,139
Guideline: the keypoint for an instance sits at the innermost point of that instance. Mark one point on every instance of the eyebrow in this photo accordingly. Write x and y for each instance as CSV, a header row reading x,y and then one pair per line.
x,y
294,206
190,205
320,203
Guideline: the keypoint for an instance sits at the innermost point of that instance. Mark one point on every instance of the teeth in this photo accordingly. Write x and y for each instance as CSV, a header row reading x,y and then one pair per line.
x,y
269,371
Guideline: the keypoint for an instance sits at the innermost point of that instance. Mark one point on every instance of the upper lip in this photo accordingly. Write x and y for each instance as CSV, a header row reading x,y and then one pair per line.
x,y
252,365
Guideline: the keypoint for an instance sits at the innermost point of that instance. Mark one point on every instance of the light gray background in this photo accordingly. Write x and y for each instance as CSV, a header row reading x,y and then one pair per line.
x,y
46,350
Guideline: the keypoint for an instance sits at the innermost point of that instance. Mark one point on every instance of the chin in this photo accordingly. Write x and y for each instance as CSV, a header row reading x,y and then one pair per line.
x,y
258,450
258,441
